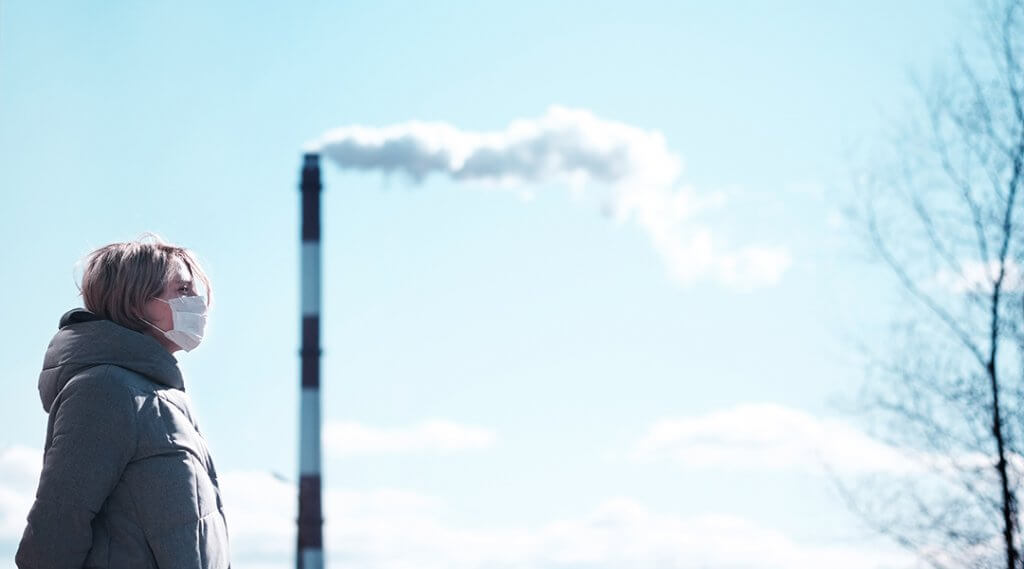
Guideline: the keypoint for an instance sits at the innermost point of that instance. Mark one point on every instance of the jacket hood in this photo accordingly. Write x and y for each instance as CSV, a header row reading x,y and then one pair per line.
x,y
85,340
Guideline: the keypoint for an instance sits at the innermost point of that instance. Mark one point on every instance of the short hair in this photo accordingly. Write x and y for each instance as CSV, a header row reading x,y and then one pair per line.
x,y
120,278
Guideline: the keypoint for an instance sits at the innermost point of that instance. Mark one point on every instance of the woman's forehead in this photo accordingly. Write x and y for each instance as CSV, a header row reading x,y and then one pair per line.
x,y
180,274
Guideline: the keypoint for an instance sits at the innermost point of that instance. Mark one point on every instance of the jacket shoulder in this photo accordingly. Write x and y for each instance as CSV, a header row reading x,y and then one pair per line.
x,y
107,383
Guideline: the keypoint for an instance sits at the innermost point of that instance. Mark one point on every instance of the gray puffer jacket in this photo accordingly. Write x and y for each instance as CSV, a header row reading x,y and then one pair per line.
x,y
127,480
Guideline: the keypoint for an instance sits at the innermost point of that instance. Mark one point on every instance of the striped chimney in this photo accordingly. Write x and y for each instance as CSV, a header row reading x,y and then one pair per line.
x,y
310,547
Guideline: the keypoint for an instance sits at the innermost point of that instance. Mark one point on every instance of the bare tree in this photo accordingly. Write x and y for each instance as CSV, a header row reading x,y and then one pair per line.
x,y
944,214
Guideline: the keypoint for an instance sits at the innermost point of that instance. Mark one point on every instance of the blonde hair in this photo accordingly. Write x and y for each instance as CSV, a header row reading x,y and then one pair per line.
x,y
120,278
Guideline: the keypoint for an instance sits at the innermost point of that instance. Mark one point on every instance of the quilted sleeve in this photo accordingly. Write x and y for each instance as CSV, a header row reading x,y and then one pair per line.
x,y
91,438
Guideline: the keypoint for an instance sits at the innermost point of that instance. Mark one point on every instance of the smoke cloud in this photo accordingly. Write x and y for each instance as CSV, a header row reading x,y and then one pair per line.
x,y
578,149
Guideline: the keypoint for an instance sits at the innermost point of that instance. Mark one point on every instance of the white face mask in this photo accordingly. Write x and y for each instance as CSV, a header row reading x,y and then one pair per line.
x,y
189,318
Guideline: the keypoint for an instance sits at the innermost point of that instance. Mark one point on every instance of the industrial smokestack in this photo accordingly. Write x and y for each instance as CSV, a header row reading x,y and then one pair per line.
x,y
310,543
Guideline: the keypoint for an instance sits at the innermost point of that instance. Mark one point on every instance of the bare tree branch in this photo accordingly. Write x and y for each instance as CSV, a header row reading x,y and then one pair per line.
x,y
952,398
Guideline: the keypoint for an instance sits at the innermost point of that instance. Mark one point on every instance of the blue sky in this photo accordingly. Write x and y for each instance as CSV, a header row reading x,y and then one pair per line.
x,y
547,340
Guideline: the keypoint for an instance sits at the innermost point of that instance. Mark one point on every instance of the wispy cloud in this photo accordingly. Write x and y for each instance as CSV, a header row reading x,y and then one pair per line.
x,y
19,473
393,529
976,276
396,529
435,436
578,149
760,436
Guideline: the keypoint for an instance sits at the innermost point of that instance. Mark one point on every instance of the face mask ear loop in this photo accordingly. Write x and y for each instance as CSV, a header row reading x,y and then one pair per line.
x,y
153,325
150,323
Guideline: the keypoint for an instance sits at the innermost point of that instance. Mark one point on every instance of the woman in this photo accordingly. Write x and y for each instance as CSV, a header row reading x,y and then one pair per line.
x,y
127,479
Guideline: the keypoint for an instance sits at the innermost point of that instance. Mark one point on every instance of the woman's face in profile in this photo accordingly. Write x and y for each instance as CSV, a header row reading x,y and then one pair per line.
x,y
159,313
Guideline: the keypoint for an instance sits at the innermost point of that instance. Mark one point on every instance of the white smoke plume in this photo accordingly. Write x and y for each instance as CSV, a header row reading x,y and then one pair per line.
x,y
573,147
